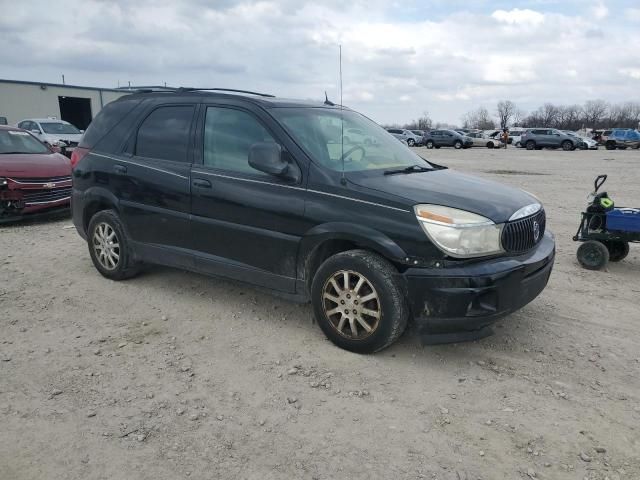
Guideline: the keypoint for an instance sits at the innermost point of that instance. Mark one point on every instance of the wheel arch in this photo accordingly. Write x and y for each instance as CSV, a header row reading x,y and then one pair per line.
x,y
96,200
326,240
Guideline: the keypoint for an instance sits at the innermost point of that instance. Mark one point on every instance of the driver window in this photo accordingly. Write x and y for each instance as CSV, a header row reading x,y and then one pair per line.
x,y
228,137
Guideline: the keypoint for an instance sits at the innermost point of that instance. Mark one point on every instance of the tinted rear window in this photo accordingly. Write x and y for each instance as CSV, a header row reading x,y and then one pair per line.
x,y
164,134
107,118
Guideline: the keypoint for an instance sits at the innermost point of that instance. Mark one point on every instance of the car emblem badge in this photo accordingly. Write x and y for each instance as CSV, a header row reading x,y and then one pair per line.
x,y
536,231
49,185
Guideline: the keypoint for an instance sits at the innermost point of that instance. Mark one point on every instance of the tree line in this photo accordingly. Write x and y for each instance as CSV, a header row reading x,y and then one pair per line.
x,y
594,114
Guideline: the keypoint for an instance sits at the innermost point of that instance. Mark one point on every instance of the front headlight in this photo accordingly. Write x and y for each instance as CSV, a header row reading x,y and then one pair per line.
x,y
459,233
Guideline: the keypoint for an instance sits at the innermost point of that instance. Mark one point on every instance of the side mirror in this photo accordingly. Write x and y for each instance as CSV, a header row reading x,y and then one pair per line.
x,y
268,157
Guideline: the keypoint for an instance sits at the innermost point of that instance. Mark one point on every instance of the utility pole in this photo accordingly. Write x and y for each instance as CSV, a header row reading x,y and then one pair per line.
x,y
63,78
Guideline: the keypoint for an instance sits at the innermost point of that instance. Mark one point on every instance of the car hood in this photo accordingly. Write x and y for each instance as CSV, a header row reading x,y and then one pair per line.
x,y
34,165
452,189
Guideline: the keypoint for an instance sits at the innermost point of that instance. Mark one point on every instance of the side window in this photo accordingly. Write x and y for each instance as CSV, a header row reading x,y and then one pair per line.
x,y
164,134
228,136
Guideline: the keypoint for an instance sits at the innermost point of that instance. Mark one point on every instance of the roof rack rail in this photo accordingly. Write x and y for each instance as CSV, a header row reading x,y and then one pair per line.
x,y
191,89
147,89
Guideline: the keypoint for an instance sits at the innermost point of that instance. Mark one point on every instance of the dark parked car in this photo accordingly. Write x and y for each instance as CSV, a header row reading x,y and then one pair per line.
x,y
447,138
538,138
33,179
262,190
623,138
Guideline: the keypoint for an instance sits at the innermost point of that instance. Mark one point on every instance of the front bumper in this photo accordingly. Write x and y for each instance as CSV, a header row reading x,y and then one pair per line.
x,y
460,303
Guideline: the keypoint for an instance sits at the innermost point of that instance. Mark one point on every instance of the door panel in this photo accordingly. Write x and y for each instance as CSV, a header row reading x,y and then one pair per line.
x,y
153,182
244,218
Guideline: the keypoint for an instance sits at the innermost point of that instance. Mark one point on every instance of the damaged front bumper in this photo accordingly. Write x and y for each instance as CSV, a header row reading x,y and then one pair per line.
x,y
460,303
26,197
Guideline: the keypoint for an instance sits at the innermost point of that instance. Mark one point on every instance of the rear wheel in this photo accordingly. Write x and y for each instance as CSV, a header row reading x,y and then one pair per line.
x,y
530,145
429,144
518,144
109,246
567,145
359,302
593,255
457,144
610,145
618,249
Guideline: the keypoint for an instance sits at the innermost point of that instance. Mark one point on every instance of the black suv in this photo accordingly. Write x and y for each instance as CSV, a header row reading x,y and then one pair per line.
x,y
264,190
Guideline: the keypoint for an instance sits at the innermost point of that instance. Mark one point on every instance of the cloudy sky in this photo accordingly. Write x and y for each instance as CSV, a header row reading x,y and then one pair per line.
x,y
399,58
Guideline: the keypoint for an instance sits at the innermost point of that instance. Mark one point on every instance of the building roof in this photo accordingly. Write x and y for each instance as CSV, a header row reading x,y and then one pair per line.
x,y
60,85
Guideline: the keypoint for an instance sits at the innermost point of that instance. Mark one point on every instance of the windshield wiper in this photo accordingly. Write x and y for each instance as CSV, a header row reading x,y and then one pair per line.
x,y
409,169
11,153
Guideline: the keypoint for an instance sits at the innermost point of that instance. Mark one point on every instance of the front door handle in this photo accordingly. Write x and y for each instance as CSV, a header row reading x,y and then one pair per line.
x,y
120,169
201,183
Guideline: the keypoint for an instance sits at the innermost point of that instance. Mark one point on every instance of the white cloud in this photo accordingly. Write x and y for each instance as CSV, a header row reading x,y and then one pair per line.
x,y
394,68
633,14
517,16
600,11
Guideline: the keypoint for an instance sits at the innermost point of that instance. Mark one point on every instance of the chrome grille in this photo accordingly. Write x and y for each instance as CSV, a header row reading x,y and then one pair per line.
x,y
42,196
42,179
520,235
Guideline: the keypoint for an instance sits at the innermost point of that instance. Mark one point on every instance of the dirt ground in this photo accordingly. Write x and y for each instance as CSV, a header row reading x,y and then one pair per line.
x,y
175,375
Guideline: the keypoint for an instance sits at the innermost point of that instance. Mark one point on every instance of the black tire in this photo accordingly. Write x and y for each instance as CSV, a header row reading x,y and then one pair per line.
x,y
125,267
618,249
457,144
411,142
518,144
490,145
593,255
610,145
530,145
381,279
567,145
429,144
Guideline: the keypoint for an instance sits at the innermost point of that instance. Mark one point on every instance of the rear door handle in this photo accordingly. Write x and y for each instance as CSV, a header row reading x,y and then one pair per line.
x,y
120,169
201,183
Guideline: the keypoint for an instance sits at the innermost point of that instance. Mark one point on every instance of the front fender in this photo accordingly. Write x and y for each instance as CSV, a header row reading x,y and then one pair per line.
x,y
359,235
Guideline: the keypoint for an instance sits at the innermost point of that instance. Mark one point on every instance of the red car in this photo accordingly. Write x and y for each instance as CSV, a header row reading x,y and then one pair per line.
x,y
33,178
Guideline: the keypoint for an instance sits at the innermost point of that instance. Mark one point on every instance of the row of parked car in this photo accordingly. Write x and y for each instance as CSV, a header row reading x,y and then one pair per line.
x,y
529,138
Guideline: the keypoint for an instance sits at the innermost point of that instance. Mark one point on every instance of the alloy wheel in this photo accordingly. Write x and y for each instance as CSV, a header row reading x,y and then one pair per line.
x,y
351,304
106,246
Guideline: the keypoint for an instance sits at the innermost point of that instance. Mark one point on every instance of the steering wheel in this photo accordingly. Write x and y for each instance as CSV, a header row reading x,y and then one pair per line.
x,y
346,154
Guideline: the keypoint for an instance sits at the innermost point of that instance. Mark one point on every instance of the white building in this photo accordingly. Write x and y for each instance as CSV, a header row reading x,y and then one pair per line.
x,y
76,105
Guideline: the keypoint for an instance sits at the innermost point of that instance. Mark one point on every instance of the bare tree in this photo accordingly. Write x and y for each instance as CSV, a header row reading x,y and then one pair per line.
x,y
479,119
594,112
422,123
506,110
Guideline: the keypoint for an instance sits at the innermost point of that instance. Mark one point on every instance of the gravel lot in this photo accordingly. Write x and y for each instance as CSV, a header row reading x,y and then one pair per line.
x,y
175,375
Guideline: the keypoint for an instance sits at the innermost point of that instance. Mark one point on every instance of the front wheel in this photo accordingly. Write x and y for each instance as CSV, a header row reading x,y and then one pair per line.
x,y
109,246
567,145
359,302
530,145
490,145
411,142
429,144
593,255
457,145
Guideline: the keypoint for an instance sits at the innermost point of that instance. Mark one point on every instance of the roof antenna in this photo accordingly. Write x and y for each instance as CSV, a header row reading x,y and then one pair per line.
x,y
343,180
327,101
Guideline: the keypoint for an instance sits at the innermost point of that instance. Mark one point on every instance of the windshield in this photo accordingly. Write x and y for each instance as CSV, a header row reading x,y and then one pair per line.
x,y
15,141
317,131
60,128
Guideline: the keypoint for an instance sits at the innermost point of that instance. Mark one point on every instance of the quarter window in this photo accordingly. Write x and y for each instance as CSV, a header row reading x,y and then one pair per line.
x,y
164,134
228,136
